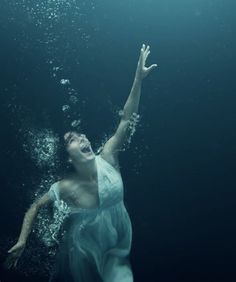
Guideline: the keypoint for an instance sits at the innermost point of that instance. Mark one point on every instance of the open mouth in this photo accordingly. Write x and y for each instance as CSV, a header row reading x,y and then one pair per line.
x,y
86,149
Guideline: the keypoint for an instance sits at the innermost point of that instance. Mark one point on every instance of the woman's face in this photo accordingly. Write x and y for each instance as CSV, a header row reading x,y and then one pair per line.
x,y
78,146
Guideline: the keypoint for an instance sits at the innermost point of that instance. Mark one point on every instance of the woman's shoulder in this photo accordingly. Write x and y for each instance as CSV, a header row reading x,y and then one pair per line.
x,y
67,183
64,184
59,189
112,160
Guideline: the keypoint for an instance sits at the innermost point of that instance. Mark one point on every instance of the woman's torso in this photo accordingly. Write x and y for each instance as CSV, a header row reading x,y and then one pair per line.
x,y
79,194
87,194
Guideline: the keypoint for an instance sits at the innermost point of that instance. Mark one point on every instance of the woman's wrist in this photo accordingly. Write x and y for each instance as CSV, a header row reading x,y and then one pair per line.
x,y
138,78
22,241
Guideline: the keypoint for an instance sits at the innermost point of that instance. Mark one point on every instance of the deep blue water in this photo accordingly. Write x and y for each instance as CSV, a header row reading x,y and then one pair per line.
x,y
179,172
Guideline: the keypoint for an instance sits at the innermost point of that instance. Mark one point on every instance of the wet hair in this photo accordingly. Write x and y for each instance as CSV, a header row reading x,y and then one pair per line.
x,y
67,167
69,133
72,131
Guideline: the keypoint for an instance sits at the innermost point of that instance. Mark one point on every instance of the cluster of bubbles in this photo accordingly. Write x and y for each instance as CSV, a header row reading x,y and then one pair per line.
x,y
133,121
49,229
53,10
42,145
62,210
57,20
46,10
73,98
132,125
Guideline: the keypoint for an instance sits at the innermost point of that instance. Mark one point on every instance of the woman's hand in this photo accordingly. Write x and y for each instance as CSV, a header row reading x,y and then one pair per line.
x,y
14,254
142,71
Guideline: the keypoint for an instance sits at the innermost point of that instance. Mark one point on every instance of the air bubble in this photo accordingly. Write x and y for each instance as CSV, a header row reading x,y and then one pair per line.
x,y
75,123
65,108
64,81
56,68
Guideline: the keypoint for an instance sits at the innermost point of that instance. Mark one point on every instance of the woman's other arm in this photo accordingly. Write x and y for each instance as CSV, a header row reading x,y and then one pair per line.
x,y
30,216
16,251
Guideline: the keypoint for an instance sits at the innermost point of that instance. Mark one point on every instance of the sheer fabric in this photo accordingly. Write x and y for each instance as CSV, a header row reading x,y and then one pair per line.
x,y
97,242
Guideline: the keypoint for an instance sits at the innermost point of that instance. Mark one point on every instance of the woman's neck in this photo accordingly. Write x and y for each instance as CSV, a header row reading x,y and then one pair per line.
x,y
87,171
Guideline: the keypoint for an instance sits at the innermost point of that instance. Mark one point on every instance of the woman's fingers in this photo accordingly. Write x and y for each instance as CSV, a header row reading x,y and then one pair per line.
x,y
146,55
8,262
16,262
5,264
141,55
13,257
142,50
142,71
17,247
146,50
151,67
12,249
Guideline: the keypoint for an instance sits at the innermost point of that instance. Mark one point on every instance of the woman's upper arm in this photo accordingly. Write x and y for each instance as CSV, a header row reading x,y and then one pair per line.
x,y
116,142
48,197
43,201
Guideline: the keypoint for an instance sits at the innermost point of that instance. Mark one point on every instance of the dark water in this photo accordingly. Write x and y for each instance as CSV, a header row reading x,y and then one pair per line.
x,y
179,172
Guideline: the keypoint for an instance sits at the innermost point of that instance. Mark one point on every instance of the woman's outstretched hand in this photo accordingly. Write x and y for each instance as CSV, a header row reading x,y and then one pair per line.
x,y
142,71
14,254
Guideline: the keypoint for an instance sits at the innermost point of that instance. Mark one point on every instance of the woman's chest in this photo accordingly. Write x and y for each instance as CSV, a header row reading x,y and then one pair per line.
x,y
110,186
82,195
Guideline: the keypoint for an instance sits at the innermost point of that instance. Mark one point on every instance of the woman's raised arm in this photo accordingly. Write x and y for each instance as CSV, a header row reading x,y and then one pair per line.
x,y
115,143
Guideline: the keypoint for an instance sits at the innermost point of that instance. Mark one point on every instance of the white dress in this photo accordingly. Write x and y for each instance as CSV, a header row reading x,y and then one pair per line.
x,y
97,243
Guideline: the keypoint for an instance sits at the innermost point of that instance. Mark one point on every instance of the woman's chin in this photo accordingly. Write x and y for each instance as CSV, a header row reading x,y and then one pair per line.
x,y
89,155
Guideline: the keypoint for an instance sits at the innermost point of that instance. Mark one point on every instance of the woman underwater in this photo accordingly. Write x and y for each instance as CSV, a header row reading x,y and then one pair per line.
x,y
97,243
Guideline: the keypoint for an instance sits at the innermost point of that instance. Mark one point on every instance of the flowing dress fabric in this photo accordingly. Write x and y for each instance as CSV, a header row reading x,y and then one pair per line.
x,y
97,243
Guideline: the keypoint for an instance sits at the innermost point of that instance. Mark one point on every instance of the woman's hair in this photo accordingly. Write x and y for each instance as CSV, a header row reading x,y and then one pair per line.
x,y
68,170
66,167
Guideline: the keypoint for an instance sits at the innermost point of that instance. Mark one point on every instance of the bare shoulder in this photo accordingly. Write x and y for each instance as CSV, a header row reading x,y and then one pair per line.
x,y
111,159
64,185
